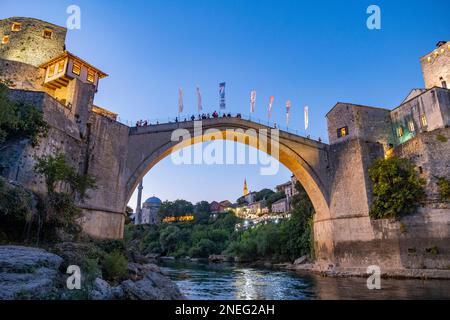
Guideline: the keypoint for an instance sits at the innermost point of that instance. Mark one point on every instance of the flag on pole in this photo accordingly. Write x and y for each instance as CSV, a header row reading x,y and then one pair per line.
x,y
222,95
270,105
288,108
252,101
180,100
199,100
306,117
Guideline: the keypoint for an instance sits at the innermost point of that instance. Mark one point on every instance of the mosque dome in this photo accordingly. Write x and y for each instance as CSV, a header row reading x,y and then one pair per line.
x,y
153,200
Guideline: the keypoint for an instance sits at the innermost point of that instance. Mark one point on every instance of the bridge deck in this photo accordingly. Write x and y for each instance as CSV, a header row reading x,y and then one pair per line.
x,y
223,123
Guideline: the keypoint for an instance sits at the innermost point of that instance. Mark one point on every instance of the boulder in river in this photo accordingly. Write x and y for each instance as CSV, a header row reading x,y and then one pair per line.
x,y
153,286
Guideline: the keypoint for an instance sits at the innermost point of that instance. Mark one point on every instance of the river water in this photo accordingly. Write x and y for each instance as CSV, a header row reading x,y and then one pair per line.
x,y
203,281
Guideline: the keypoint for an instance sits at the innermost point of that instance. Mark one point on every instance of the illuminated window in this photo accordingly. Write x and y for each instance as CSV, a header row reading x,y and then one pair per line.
x,y
342,132
48,34
61,66
16,26
76,69
5,39
400,131
411,126
90,76
423,120
51,70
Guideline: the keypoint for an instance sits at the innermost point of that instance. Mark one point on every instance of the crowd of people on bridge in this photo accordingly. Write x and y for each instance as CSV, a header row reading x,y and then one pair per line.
x,y
203,116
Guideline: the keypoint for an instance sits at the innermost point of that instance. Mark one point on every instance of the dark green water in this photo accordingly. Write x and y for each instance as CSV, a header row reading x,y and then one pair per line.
x,y
226,281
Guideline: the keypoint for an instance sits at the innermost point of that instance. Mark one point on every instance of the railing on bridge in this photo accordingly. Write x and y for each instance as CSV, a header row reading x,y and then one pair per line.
x,y
185,118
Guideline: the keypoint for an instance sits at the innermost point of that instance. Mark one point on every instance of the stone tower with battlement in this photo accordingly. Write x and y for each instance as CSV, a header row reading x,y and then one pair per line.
x,y
436,66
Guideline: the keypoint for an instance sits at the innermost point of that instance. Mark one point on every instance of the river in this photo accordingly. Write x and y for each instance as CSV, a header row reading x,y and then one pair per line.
x,y
203,281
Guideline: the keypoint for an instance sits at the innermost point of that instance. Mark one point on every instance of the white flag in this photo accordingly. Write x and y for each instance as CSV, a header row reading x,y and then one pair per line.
x,y
288,108
270,105
199,100
306,117
180,100
252,100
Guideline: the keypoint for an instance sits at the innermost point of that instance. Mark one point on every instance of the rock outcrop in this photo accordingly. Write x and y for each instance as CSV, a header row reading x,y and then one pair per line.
x,y
28,273
33,273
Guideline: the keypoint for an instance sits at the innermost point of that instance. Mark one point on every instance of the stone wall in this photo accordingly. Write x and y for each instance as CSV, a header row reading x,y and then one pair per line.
x,y
20,75
106,153
430,153
17,158
29,45
415,241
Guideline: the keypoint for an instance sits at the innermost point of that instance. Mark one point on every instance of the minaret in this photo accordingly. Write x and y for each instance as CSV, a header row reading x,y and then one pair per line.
x,y
138,215
245,187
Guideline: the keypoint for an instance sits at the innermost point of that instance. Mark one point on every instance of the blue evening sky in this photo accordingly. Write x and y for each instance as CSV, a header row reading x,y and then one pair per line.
x,y
311,52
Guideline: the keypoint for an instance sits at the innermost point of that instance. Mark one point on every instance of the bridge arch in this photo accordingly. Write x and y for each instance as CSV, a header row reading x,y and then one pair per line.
x,y
305,158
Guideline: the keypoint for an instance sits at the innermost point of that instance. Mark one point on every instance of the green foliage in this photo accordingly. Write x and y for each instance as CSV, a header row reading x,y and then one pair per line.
x,y
19,120
444,188
186,238
397,189
441,138
205,236
274,197
56,169
287,240
263,194
15,211
203,249
176,208
91,269
115,265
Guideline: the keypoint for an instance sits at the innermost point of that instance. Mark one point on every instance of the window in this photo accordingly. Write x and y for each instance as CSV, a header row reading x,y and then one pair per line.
x,y
51,71
76,69
443,83
5,39
423,120
411,126
90,76
342,132
16,26
400,131
48,34
61,66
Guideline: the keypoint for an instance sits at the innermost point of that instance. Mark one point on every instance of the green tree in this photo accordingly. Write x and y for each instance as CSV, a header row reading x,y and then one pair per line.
x,y
58,209
263,194
56,169
274,197
397,189
169,239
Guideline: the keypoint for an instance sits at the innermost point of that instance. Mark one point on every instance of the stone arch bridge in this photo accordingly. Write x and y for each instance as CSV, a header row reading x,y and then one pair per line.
x,y
120,156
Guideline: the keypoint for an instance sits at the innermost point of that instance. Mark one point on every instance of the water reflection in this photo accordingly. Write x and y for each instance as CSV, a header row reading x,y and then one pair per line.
x,y
225,282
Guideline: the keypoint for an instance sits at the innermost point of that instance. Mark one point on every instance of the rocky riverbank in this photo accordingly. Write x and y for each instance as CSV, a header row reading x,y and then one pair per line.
x,y
34,273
